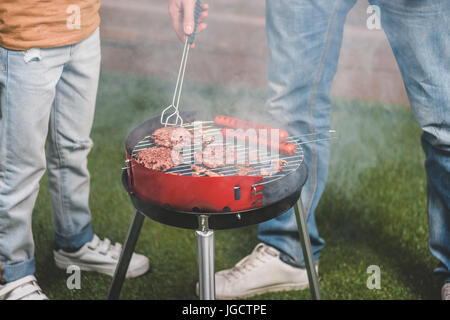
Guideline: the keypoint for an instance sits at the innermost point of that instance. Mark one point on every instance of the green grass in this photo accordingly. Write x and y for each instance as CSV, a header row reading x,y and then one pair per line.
x,y
373,211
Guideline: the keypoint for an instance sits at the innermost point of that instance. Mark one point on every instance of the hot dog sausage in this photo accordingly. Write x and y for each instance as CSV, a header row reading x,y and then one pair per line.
x,y
285,148
226,121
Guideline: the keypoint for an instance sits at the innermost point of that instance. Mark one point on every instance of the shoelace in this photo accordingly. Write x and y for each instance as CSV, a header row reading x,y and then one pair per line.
x,y
104,247
24,288
260,254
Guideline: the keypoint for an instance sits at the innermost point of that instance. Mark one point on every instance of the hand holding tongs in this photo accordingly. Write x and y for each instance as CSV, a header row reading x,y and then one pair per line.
x,y
170,116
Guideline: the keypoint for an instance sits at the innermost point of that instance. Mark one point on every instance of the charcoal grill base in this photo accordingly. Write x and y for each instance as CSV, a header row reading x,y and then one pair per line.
x,y
217,221
204,224
184,191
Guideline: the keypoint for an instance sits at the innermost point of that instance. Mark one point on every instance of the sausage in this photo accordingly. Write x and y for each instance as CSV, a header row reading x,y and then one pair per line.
x,y
226,121
285,148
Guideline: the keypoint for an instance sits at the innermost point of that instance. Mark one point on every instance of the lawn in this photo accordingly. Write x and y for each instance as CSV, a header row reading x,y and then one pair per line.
x,y
373,211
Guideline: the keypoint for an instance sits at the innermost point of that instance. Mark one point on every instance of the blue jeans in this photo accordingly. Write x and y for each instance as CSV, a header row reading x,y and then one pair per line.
x,y
304,38
47,97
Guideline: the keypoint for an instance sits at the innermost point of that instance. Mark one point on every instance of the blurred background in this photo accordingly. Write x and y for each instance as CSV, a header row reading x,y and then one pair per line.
x,y
137,37
373,210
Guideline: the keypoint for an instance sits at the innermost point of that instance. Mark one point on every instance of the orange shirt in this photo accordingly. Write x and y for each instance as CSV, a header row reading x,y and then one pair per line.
x,y
26,24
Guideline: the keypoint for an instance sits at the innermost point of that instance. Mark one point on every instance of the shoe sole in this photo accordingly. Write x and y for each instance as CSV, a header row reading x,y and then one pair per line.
x,y
136,272
252,293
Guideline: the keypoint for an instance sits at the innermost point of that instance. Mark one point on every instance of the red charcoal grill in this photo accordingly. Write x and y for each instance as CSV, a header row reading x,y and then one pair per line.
x,y
209,203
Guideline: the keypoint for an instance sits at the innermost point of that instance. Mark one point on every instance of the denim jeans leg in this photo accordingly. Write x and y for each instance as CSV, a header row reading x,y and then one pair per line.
x,y
304,39
69,144
27,82
418,32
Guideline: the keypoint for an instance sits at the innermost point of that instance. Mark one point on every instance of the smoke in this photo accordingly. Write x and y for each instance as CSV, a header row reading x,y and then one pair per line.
x,y
373,137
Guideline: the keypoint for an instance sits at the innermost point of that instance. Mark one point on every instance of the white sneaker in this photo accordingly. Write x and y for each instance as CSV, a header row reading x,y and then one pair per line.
x,y
99,255
25,288
445,292
260,272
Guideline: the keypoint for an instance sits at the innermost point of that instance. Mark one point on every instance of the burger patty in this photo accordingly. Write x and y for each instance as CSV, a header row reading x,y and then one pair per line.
x,y
199,170
171,137
214,156
159,158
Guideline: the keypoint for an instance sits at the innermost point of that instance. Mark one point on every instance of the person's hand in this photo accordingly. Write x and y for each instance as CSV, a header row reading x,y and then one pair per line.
x,y
182,14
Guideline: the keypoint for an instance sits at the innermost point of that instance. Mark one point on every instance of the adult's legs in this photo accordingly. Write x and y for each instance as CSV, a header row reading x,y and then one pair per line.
x,y
304,39
418,32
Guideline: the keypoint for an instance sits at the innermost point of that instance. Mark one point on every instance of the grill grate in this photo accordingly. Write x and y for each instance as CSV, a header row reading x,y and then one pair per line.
x,y
265,160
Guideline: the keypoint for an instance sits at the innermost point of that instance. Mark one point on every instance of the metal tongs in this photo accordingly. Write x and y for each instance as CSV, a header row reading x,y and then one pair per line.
x,y
170,116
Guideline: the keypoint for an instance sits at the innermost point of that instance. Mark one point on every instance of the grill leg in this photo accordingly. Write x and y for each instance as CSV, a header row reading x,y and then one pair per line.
x,y
205,249
307,250
125,256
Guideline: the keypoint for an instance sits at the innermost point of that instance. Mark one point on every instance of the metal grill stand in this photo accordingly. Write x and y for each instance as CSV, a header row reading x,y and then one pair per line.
x,y
307,250
205,247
